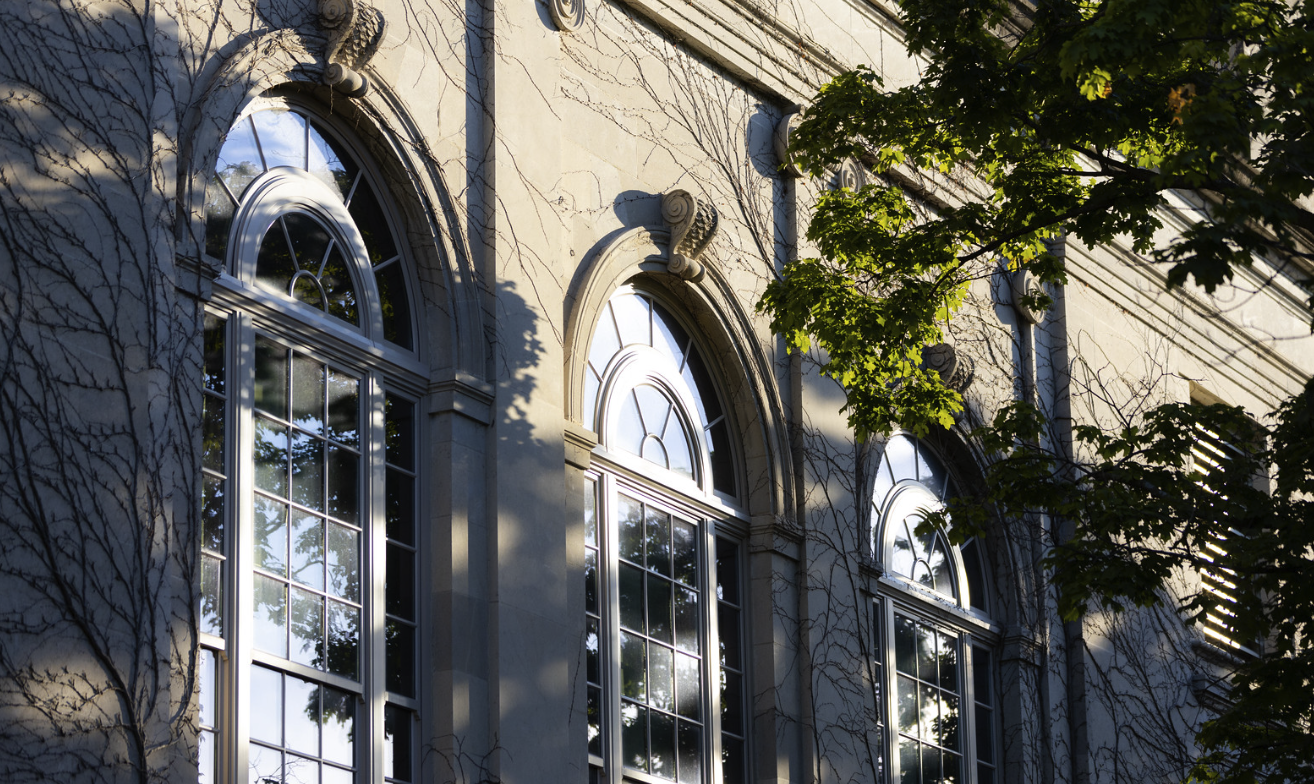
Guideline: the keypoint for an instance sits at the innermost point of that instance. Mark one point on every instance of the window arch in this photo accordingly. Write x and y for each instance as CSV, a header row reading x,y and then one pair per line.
x,y
934,641
308,618
664,612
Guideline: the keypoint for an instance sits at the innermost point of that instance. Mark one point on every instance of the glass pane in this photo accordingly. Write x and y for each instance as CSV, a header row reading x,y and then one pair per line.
x,y
300,770
591,512
339,287
948,656
700,383
591,581
728,637
910,762
680,453
205,748
339,726
629,427
930,471
400,506
274,264
668,336
205,675
344,410
343,562
343,484
654,451
400,417
688,686
981,676
267,702
952,770
401,657
271,378
659,541
732,761
902,556
303,716
212,433
654,407
905,645
605,342
732,702
214,357
308,395
985,740
722,459
685,552
212,595
310,240
343,639
395,304
634,667
661,759
632,317
727,571
266,765
308,471
271,457
884,483
307,625
948,721
908,711
212,515
901,458
691,752
976,585
399,583
631,598
282,137
659,608
335,168
270,535
661,677
927,650
929,707
595,720
592,641
941,568
336,775
397,743
631,530
306,288
307,550
686,620
634,735
373,226
931,764
239,159
270,615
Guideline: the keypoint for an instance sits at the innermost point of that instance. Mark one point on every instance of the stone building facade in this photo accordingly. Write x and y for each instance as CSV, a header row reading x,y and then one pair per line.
x,y
384,399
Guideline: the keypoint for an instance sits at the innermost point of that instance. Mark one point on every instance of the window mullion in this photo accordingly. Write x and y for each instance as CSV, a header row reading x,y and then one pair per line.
x,y
372,514
610,629
237,685
711,656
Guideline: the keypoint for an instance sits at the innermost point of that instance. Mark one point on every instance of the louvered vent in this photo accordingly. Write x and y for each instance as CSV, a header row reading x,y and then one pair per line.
x,y
1210,457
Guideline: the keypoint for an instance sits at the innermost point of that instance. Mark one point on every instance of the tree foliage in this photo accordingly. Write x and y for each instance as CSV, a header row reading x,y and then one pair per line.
x,y
1088,120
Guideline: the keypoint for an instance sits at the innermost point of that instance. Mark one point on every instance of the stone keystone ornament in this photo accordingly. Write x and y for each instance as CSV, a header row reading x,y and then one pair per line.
x,y
354,31
692,222
956,370
567,14
1022,284
850,175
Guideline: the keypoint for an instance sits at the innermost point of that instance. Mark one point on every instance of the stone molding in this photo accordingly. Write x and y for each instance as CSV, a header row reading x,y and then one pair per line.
x,y
355,31
568,15
580,442
1022,284
462,394
780,141
850,175
692,223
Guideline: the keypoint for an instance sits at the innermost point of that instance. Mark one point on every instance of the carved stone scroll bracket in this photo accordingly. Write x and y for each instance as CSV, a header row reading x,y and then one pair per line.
x,y
850,175
354,31
780,141
1023,284
567,14
692,222
956,370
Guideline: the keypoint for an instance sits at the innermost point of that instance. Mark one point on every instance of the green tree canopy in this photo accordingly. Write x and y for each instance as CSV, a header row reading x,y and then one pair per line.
x,y
1083,119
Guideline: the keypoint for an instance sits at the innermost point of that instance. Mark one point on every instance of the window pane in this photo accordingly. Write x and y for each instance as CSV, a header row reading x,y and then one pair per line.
x,y
685,552
212,515
308,471
910,764
303,716
686,620
344,411
633,319
282,137
661,759
634,735
267,705
266,765
631,530
308,395
339,287
732,702
400,658
271,378
337,170
634,667
212,595
908,711
591,642
310,240
343,484
591,581
307,550
343,562
400,507
373,226
212,433
270,535
274,265
728,636
270,615
239,159
659,541
339,726
688,684
732,761
595,720
271,457
905,644
661,675
690,751
927,648
395,303
343,639
631,598
659,608
397,743
948,657
307,627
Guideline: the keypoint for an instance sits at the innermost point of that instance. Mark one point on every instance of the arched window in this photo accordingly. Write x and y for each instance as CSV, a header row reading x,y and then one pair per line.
x,y
934,644
664,549
308,617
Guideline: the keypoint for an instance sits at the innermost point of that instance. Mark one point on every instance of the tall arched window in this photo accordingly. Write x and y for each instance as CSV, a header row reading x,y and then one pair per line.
x,y
663,544
934,643
308,617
